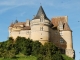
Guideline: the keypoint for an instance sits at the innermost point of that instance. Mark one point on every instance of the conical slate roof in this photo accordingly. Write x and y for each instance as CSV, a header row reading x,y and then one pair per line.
x,y
39,13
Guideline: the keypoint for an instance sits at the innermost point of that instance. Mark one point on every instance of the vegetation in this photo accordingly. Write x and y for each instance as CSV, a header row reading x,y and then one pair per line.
x,y
66,57
26,49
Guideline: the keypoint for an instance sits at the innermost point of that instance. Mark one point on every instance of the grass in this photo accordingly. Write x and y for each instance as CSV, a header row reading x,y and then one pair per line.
x,y
66,57
21,57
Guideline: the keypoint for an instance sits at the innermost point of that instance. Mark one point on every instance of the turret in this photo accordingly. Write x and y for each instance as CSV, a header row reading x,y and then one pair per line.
x,y
40,27
27,22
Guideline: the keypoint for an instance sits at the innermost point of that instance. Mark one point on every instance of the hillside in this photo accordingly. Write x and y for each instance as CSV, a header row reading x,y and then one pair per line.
x,y
26,49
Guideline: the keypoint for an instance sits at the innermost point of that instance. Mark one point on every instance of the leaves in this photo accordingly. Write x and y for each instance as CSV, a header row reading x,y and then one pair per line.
x,y
11,48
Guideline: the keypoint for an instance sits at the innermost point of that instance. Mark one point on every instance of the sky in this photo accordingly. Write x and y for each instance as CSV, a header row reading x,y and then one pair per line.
x,y
10,10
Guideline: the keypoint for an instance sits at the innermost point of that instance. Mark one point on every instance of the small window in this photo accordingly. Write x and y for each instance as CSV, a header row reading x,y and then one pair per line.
x,y
61,33
41,38
61,27
41,28
61,41
41,33
19,32
42,18
27,32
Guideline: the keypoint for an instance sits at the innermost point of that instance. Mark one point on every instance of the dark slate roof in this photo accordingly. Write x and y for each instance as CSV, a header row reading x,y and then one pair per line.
x,y
39,13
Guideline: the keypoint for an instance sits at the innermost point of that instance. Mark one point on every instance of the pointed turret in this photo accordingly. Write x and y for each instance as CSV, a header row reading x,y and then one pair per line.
x,y
16,21
39,13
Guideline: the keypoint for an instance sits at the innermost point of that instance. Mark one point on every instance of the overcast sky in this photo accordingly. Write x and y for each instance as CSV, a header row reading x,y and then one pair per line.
x,y
10,10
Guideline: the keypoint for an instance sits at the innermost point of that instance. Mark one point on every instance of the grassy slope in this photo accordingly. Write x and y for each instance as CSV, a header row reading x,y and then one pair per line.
x,y
67,58
23,57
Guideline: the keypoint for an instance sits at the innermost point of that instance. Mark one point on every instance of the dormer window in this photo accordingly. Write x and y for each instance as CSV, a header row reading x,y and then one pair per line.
x,y
41,18
60,26
61,33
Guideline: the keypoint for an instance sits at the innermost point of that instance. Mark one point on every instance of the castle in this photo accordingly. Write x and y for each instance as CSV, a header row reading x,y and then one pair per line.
x,y
44,30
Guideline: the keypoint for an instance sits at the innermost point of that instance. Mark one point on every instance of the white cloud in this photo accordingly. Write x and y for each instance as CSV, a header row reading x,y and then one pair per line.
x,y
4,9
21,14
6,3
9,4
16,2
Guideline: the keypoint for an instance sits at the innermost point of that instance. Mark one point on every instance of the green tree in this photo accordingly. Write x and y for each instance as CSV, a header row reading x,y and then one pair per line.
x,y
23,45
57,57
49,52
36,48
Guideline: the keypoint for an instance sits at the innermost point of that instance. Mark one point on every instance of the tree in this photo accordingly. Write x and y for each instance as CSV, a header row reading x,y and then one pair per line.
x,y
57,57
36,48
23,45
49,52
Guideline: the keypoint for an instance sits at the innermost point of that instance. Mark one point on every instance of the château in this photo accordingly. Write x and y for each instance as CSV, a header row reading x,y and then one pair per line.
x,y
43,29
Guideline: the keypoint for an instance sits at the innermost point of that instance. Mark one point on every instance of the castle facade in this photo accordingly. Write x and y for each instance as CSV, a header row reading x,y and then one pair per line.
x,y
42,29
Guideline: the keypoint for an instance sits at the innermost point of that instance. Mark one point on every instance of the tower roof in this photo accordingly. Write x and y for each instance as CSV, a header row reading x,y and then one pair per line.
x,y
39,13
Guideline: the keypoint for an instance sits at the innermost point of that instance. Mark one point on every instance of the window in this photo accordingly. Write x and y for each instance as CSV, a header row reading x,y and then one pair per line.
x,y
42,18
61,41
27,32
41,33
61,27
61,33
19,32
41,28
41,38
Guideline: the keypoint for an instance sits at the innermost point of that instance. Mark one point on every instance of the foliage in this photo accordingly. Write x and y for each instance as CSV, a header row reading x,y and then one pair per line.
x,y
49,52
23,45
21,58
21,48
66,57
36,47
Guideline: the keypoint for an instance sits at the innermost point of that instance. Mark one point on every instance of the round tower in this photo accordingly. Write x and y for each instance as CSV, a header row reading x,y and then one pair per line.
x,y
40,27
66,40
